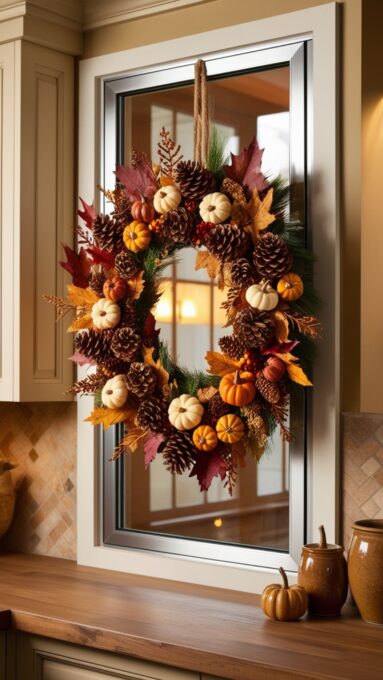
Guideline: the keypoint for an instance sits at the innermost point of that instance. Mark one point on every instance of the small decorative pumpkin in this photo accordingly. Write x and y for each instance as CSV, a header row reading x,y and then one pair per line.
x,y
142,211
205,438
230,428
105,314
284,603
290,287
215,208
274,369
185,412
114,393
167,198
262,296
137,236
115,288
237,388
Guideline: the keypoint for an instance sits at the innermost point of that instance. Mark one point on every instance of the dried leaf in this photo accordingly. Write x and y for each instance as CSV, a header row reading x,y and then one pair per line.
x,y
81,323
221,364
79,359
133,439
206,260
151,444
110,416
101,256
281,327
204,394
136,286
255,448
162,374
224,276
166,181
245,167
88,214
81,297
206,467
238,451
287,357
78,265
261,217
138,181
298,375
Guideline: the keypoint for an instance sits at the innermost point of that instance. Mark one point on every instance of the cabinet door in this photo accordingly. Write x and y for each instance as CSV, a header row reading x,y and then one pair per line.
x,y
2,656
42,659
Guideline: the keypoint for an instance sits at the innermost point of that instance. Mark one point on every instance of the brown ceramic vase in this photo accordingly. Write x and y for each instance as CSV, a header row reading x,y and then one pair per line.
x,y
323,574
365,568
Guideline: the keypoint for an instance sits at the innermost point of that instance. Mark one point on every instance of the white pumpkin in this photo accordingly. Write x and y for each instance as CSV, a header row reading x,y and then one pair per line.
x,y
215,208
262,296
114,393
167,198
105,314
185,412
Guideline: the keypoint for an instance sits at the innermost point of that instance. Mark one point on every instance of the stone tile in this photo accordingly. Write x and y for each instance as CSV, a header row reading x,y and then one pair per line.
x,y
362,426
379,476
371,466
354,471
370,508
368,489
378,498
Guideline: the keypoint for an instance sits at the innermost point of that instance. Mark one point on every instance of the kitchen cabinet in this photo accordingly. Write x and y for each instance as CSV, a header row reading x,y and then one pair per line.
x,y
39,658
2,655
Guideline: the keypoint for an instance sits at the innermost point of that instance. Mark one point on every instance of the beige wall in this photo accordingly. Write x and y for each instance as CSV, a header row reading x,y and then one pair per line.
x,y
219,13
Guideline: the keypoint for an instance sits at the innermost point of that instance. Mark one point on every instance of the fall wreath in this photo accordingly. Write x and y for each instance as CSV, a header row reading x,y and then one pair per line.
x,y
202,424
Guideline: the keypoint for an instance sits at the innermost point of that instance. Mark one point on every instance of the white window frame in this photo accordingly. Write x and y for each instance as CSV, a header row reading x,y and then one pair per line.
x,y
318,24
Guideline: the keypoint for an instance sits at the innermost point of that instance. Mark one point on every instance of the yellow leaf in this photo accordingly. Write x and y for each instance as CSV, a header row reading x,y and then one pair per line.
x,y
281,327
110,416
205,260
81,297
162,374
80,323
287,357
204,394
166,181
261,217
298,375
220,364
133,438
136,286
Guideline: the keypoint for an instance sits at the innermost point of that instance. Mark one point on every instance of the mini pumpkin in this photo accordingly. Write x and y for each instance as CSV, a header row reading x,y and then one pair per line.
x,y
215,208
274,369
205,438
105,314
167,198
115,288
262,296
290,287
237,388
137,236
284,602
230,428
185,412
142,211
114,393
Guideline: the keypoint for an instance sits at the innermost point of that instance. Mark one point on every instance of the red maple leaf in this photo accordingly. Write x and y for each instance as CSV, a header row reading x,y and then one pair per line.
x,y
150,331
139,181
206,467
78,265
88,214
100,256
245,167
151,444
281,347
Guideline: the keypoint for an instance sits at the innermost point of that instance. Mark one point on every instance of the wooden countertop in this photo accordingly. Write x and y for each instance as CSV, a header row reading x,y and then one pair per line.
x,y
203,629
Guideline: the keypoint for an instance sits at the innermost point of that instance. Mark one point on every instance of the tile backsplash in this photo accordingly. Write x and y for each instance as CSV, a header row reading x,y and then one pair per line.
x,y
41,439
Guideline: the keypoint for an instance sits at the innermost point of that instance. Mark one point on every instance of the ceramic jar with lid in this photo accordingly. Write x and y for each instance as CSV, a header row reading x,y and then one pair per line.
x,y
323,574
365,568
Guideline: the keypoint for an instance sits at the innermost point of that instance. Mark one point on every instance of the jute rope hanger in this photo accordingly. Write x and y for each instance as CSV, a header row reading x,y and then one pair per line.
x,y
201,114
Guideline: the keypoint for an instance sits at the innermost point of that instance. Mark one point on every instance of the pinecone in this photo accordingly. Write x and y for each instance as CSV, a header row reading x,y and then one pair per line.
x,y
234,190
126,265
253,327
89,385
113,366
217,407
268,390
94,344
107,233
232,346
96,282
141,379
125,343
128,314
227,242
193,180
178,225
153,414
271,257
178,453
242,273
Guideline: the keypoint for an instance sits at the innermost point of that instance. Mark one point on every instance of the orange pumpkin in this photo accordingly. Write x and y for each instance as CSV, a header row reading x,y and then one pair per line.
x,y
115,288
237,388
290,287
136,236
143,211
205,438
274,369
230,428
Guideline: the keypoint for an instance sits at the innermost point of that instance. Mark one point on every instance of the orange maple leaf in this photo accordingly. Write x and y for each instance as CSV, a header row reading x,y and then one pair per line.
x,y
221,364
110,416
298,375
136,286
81,297
206,260
81,323
261,217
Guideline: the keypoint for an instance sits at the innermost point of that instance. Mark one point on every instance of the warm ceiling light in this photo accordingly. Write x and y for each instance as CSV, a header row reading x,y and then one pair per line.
x,y
188,310
163,310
